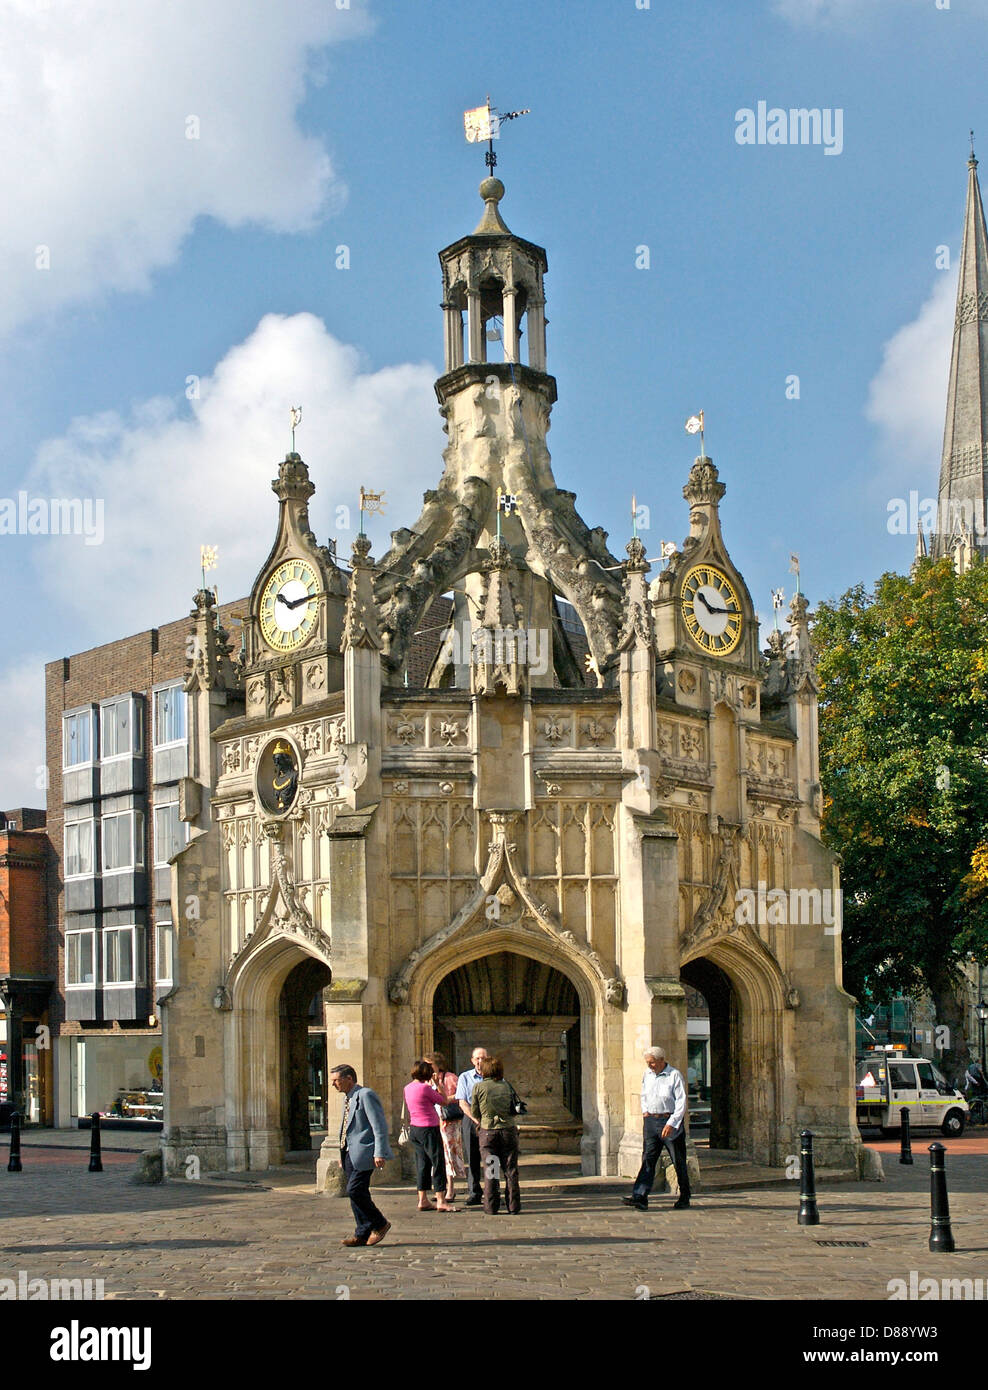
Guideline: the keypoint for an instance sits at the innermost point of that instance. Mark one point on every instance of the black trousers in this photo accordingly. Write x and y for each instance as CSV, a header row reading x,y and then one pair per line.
x,y
365,1212
430,1160
499,1153
471,1158
651,1149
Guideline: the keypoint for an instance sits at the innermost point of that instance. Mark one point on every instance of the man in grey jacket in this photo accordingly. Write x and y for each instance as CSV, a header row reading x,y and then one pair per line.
x,y
363,1147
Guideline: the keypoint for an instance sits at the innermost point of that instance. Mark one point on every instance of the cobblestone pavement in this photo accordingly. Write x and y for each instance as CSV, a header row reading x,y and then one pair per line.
x,y
203,1240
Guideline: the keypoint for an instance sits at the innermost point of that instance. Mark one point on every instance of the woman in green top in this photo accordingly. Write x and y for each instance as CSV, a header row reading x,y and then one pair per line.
x,y
498,1135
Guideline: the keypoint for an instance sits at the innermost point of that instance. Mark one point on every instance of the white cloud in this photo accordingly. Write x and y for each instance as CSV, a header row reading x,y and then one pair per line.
x,y
22,732
174,476
95,163
907,397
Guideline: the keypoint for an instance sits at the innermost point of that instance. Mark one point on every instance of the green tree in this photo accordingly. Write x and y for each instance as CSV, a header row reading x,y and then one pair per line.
x,y
903,751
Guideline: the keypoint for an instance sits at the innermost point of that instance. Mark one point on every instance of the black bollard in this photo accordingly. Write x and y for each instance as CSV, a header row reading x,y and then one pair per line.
x,y
14,1166
905,1146
808,1214
95,1161
941,1236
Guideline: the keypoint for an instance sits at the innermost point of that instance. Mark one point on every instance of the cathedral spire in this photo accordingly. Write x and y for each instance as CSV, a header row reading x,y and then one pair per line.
x,y
964,467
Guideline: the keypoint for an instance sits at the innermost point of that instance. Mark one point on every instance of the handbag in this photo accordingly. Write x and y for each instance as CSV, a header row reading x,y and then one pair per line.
x,y
404,1137
518,1106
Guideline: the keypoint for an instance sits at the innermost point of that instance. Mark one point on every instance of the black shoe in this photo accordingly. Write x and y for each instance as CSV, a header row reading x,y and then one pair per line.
x,y
681,1205
474,1202
635,1202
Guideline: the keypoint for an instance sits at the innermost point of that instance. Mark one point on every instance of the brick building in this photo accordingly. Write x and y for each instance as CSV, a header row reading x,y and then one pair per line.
x,y
117,752
26,965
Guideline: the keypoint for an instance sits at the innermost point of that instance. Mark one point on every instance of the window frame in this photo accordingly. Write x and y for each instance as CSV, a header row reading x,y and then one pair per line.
x,y
162,925
93,982
183,831
70,714
136,728
177,687
136,971
72,825
136,842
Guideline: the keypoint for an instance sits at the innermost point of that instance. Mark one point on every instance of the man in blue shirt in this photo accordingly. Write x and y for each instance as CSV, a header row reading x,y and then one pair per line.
x,y
663,1111
465,1087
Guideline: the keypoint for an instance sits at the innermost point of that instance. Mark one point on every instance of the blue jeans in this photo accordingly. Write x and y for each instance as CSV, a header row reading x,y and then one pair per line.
x,y
652,1146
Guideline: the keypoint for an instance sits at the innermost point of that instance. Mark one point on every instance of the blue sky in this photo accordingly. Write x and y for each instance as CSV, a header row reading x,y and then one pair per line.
x,y
215,258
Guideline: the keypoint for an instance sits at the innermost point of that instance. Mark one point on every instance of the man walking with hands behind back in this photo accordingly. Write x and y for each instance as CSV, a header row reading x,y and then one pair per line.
x,y
363,1147
663,1111
465,1087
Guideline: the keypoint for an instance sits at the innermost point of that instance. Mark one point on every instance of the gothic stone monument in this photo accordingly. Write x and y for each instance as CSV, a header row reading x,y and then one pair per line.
x,y
540,845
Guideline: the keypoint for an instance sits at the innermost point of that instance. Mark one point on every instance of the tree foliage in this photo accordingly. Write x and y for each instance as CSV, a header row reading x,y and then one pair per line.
x,y
904,768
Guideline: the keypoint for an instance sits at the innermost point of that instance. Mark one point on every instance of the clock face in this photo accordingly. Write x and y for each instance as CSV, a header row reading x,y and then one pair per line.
x,y
289,605
711,610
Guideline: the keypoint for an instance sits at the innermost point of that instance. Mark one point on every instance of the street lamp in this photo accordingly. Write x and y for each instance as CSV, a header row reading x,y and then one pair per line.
x,y
982,1011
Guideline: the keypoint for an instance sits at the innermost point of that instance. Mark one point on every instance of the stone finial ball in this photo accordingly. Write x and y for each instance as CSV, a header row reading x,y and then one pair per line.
x,y
492,188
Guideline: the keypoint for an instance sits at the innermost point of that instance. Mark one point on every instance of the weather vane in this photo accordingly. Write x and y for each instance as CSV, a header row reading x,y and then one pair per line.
x,y
484,123
694,425
372,503
794,569
296,420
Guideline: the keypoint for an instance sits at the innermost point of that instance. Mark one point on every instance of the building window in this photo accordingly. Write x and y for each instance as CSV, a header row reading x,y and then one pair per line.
x,y
77,738
169,716
123,841
80,958
170,833
119,956
79,848
120,728
164,946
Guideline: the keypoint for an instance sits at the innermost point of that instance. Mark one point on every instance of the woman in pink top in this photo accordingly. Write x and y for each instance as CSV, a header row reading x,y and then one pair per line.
x,y
421,1099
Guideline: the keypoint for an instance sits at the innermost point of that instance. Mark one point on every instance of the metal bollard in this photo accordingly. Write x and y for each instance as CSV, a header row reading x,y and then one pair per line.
x,y
941,1236
905,1145
808,1214
95,1161
14,1166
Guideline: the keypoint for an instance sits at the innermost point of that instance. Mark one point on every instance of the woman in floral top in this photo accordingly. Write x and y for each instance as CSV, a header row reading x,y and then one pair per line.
x,y
451,1130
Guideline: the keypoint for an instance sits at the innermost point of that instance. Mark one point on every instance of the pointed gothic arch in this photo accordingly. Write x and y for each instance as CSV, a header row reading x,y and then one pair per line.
x,y
765,1094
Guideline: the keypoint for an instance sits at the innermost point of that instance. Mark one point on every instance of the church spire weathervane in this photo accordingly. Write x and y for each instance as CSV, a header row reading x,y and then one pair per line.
x,y
484,123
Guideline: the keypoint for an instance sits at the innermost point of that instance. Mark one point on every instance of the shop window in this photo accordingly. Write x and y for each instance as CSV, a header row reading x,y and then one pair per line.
x,y
123,841
169,716
80,958
78,738
80,845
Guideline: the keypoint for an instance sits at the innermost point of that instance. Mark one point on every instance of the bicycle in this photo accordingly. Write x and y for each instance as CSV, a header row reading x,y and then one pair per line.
x,y
978,1110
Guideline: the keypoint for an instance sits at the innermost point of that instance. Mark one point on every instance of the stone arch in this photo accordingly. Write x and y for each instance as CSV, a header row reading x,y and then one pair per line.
x,y
766,1095
253,1055
595,1016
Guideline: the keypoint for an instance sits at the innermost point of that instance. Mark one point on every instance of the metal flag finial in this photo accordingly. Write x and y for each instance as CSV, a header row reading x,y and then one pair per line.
x,y
296,421
694,425
484,123
794,569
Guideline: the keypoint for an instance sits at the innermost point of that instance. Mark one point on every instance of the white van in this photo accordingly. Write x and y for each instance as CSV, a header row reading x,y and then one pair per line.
x,y
888,1082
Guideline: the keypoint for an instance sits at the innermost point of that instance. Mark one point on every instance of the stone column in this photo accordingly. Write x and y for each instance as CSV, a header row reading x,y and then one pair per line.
x,y
475,329
510,302
536,335
453,321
